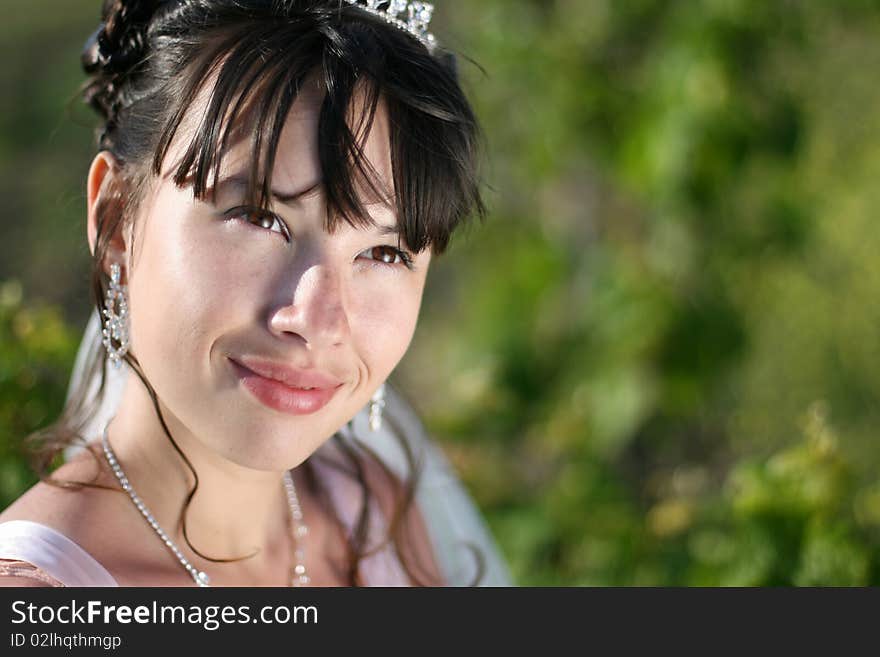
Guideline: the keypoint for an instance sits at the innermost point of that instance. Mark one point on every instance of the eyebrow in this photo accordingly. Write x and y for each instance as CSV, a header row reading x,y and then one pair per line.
x,y
388,230
242,183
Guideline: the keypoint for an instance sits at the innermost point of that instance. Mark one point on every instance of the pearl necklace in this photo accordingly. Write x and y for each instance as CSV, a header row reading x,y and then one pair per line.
x,y
201,578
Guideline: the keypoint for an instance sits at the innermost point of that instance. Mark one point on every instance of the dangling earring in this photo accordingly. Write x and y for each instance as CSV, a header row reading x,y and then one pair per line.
x,y
377,403
115,318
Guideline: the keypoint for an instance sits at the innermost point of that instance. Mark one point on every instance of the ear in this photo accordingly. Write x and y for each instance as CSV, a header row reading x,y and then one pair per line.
x,y
102,192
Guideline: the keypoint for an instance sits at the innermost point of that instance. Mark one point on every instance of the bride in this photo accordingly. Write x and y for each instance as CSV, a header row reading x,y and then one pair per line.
x,y
271,183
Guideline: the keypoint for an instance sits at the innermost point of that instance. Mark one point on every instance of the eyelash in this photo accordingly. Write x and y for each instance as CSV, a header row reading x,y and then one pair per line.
x,y
247,213
244,213
405,258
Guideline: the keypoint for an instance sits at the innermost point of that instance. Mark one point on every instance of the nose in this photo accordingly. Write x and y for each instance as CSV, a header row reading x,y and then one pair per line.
x,y
316,313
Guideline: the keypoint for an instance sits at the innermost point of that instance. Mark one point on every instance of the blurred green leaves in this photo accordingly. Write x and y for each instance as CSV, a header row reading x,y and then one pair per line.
x,y
698,176
37,349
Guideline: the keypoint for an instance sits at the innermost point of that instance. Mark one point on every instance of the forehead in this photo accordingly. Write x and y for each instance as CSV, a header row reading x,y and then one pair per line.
x,y
298,161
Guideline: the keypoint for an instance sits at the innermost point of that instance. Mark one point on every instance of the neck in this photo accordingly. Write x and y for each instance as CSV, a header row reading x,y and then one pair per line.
x,y
235,512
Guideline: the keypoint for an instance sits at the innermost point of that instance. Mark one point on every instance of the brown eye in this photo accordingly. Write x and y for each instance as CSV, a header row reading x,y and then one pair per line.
x,y
262,219
264,222
386,254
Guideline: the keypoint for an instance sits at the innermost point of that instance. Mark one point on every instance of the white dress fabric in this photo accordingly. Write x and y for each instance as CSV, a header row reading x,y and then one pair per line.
x,y
455,527
53,553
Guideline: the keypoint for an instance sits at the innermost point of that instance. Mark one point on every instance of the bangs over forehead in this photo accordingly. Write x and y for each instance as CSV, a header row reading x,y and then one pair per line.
x,y
252,72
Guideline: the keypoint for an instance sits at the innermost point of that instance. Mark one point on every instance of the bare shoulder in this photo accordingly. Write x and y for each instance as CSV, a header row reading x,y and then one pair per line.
x,y
82,513
47,505
86,506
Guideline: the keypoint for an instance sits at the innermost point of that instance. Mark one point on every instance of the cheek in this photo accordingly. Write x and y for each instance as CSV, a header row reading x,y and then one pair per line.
x,y
190,288
383,315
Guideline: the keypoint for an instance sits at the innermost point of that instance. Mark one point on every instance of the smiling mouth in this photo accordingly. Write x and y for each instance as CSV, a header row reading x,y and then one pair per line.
x,y
282,397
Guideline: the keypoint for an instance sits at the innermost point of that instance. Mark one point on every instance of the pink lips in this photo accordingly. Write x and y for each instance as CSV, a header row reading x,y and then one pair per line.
x,y
283,388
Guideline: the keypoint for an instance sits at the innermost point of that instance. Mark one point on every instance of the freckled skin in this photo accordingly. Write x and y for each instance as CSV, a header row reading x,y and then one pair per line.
x,y
203,287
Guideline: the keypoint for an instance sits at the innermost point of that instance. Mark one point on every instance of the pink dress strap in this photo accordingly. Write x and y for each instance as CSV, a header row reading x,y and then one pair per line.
x,y
52,553
382,567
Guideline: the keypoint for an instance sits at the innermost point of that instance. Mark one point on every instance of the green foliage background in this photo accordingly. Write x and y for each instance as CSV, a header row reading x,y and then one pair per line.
x,y
655,363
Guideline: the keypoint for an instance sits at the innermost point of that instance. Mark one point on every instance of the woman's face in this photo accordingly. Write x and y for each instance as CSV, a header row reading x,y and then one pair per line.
x,y
234,313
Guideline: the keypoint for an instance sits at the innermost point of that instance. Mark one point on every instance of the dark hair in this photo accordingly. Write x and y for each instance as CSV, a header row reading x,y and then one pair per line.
x,y
149,60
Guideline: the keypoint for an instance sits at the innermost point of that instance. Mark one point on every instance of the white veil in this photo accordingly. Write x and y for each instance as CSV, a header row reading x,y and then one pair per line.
x,y
452,519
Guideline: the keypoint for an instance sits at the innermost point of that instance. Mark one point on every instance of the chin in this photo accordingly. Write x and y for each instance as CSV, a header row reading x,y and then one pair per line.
x,y
269,450
266,459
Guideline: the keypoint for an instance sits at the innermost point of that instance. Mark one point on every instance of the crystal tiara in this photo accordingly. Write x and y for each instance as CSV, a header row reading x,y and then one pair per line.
x,y
411,17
